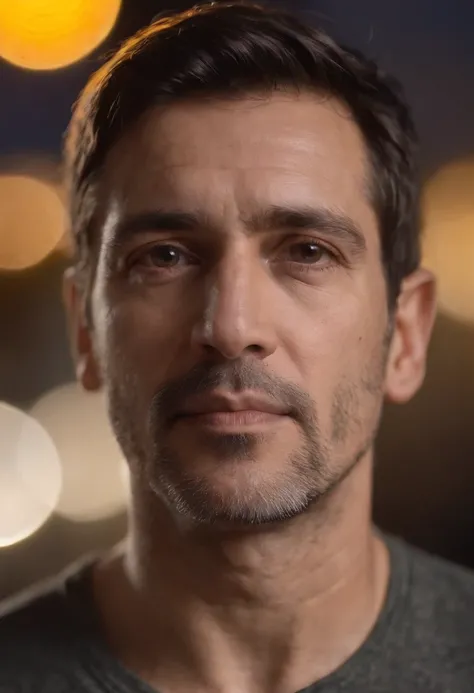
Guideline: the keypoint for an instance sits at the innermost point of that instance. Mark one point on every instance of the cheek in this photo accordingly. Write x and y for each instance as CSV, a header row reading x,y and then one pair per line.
x,y
332,337
146,338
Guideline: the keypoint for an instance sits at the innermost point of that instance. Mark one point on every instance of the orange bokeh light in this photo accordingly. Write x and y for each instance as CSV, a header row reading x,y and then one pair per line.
x,y
449,236
48,34
32,221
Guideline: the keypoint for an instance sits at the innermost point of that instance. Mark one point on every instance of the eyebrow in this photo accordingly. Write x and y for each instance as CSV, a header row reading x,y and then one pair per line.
x,y
275,218
306,218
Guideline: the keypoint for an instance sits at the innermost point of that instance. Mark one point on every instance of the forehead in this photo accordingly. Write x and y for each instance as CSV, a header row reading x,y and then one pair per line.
x,y
216,155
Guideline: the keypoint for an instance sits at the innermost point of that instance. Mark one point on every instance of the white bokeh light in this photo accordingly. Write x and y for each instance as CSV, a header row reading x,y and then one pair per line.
x,y
94,485
30,475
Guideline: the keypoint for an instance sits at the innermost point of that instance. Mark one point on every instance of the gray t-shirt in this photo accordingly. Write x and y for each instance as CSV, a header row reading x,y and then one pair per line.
x,y
423,641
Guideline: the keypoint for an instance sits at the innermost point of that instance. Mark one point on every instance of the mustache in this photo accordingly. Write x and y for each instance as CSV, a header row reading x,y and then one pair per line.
x,y
233,376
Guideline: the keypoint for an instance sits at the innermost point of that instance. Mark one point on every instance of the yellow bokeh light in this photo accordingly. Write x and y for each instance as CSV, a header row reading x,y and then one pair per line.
x,y
48,34
449,236
32,221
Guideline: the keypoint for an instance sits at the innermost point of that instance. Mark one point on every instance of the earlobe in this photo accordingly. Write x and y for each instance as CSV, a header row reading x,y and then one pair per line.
x,y
87,374
87,370
413,324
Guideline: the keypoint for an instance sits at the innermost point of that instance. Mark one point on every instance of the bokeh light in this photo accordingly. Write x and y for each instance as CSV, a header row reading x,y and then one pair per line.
x,y
48,34
32,220
92,463
449,236
30,475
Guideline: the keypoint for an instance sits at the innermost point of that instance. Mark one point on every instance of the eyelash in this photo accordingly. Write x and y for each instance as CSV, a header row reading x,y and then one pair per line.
x,y
304,268
136,258
300,267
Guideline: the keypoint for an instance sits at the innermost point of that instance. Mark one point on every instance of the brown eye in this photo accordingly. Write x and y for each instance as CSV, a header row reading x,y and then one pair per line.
x,y
164,256
307,252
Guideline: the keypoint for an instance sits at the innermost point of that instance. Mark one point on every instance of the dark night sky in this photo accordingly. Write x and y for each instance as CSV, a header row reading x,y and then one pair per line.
x,y
428,44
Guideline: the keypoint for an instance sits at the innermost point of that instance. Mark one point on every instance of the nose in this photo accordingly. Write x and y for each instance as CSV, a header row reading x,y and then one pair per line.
x,y
237,316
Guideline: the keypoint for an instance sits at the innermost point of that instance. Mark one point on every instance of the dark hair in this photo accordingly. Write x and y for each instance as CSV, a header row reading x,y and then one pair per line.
x,y
229,49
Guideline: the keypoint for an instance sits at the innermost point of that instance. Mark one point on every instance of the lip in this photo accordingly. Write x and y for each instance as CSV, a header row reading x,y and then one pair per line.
x,y
214,402
225,411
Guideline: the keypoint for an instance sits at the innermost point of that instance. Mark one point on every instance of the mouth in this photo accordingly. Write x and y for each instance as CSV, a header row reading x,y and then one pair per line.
x,y
231,420
226,413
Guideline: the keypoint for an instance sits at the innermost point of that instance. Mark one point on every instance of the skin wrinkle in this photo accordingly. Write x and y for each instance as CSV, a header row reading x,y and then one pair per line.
x,y
250,542
344,402
240,280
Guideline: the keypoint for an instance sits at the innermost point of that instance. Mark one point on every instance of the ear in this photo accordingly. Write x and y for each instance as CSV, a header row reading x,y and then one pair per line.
x,y
80,333
413,323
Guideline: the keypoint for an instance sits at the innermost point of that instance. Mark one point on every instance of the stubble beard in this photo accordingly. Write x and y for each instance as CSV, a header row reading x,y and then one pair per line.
x,y
258,498
301,481
305,479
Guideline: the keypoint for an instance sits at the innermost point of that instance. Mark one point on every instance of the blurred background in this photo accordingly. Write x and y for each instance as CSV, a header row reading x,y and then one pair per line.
x,y
63,484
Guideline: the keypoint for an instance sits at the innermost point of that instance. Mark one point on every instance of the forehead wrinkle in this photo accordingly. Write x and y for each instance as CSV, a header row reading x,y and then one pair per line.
x,y
158,177
162,130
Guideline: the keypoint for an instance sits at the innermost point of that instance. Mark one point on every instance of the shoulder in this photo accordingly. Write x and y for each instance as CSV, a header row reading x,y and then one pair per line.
x,y
436,619
40,636
26,612
440,588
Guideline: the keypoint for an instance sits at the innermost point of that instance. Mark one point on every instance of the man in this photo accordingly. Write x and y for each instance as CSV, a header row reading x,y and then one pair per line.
x,y
247,291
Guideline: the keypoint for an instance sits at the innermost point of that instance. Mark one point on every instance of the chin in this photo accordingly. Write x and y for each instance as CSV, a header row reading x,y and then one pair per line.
x,y
238,493
237,512
242,479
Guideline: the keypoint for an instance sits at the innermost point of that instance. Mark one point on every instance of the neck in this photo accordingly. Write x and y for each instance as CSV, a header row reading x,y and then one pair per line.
x,y
272,609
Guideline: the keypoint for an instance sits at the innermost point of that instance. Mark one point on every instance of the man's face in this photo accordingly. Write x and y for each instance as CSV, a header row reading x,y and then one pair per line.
x,y
239,308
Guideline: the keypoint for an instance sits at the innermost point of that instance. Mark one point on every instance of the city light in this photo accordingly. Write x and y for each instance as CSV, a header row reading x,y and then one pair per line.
x,y
449,236
48,34
94,479
30,475
32,220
